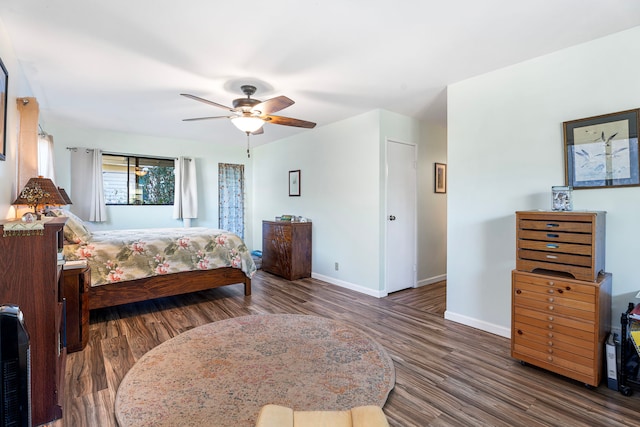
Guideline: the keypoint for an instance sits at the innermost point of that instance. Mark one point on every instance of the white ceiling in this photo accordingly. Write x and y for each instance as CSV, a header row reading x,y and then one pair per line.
x,y
121,64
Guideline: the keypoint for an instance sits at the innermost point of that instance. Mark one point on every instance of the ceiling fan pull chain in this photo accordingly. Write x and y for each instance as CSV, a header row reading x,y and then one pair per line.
x,y
248,153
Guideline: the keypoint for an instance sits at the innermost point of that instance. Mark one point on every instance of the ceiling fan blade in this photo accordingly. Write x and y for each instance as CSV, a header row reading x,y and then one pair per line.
x,y
272,105
206,118
288,121
206,101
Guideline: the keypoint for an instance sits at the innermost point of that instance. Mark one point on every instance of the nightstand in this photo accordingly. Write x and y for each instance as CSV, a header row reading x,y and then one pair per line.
x,y
74,288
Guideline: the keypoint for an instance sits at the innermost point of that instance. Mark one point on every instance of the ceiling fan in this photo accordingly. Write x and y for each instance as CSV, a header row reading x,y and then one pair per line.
x,y
249,114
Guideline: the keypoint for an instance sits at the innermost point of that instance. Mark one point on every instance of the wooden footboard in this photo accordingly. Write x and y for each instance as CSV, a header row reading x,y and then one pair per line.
x,y
165,286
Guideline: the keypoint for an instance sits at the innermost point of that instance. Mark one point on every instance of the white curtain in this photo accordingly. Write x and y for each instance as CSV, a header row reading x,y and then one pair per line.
x,y
45,157
86,185
185,202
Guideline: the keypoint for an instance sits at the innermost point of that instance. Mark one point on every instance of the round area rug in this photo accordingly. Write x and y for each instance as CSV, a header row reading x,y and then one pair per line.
x,y
222,373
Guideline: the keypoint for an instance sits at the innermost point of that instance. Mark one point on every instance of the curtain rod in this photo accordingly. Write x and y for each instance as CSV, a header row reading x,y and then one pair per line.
x,y
111,153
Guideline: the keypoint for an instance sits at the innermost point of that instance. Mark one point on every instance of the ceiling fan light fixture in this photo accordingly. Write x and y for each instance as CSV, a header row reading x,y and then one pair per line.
x,y
247,123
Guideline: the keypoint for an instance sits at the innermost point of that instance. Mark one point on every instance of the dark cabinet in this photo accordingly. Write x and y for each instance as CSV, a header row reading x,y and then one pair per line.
x,y
30,273
286,249
74,289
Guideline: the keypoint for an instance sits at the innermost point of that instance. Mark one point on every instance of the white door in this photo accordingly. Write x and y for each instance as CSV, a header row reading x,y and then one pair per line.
x,y
401,216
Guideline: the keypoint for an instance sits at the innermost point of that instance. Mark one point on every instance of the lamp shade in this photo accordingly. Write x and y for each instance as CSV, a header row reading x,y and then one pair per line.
x,y
40,191
65,196
247,123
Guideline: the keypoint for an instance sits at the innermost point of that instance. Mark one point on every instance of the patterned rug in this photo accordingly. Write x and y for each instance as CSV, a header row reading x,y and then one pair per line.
x,y
222,373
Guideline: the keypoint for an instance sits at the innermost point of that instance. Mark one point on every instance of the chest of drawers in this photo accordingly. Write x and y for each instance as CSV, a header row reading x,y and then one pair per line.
x,y
568,242
286,249
560,324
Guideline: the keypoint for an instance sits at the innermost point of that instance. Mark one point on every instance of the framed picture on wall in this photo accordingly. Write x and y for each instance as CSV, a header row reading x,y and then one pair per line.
x,y
602,151
440,178
294,183
4,85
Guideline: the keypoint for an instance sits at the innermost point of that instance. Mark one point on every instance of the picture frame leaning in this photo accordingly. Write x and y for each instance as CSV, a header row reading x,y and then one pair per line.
x,y
4,88
602,151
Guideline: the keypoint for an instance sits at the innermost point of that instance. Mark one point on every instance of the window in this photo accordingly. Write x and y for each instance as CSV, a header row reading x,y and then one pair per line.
x,y
131,180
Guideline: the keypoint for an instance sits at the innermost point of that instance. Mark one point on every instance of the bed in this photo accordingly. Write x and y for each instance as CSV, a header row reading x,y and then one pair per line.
x,y
137,265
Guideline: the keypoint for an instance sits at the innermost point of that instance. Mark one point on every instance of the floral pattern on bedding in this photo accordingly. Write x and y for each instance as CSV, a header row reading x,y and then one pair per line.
x,y
120,255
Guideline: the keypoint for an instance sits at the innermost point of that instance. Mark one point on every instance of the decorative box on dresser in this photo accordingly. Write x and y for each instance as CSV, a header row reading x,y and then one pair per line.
x,y
286,249
30,275
561,296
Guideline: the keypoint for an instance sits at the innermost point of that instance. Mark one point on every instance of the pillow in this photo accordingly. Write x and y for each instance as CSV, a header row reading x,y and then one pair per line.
x,y
74,230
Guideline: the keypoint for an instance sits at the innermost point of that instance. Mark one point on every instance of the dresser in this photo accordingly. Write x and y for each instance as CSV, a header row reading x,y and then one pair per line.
x,y
568,242
30,279
286,249
561,324
561,295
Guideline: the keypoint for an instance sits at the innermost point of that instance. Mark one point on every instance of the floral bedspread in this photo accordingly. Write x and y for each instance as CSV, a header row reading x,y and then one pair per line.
x,y
120,255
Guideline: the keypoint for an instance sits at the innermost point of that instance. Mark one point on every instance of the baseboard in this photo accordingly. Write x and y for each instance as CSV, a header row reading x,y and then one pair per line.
x,y
431,280
348,285
478,324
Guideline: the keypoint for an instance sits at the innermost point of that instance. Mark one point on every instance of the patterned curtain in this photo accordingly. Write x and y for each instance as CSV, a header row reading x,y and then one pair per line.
x,y
231,198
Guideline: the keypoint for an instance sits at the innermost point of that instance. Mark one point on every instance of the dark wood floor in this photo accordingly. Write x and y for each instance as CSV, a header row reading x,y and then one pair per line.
x,y
447,374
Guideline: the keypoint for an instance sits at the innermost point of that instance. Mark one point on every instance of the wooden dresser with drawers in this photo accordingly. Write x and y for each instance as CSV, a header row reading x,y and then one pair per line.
x,y
561,295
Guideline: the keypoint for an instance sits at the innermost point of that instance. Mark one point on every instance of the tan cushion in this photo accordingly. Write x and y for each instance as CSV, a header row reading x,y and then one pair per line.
x,y
370,416
322,419
362,416
275,416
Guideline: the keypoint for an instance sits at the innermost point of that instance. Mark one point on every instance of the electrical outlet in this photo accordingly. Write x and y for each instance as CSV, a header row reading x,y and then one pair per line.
x,y
337,266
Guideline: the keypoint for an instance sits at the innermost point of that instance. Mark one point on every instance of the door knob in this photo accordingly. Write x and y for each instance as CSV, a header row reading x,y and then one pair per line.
x,y
392,217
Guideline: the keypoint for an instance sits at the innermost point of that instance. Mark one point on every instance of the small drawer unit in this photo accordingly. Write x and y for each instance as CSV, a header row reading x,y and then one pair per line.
x,y
74,288
286,249
567,242
560,324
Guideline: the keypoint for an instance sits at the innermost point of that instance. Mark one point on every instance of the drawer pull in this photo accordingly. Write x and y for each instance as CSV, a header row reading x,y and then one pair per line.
x,y
520,332
550,326
568,288
552,246
550,299
552,236
560,291
550,359
550,283
550,291
552,225
550,335
550,350
550,318
552,256
551,307
550,343
518,291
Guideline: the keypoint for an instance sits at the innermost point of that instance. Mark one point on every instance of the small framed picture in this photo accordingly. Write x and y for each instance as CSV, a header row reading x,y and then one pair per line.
x,y
441,178
294,183
602,151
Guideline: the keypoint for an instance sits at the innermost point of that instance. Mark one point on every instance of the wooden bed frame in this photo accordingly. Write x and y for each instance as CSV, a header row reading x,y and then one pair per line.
x,y
165,286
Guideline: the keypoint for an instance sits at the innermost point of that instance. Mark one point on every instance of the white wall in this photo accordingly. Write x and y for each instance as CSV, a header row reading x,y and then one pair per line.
x,y
432,207
342,187
505,152
18,87
340,181
207,157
